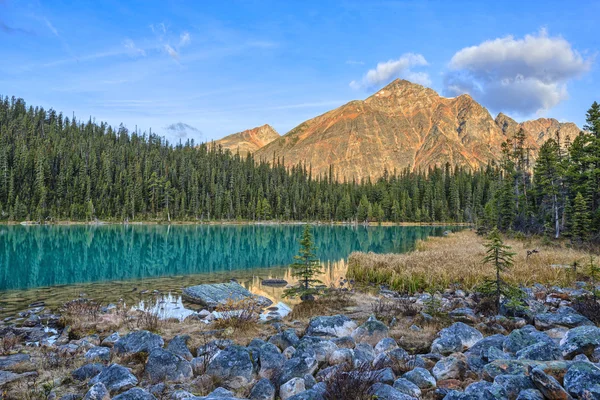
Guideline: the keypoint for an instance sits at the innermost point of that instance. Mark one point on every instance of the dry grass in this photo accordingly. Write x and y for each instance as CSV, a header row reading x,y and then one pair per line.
x,y
456,259
333,301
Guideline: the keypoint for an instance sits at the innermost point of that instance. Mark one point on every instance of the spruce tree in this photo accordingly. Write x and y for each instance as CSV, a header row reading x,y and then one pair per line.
x,y
499,256
305,268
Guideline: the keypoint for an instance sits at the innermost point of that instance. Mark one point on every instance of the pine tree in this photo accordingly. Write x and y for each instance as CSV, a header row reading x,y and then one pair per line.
x,y
580,225
499,256
305,268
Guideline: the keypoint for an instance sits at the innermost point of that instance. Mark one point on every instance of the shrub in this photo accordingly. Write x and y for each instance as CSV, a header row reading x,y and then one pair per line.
x,y
238,315
348,383
388,309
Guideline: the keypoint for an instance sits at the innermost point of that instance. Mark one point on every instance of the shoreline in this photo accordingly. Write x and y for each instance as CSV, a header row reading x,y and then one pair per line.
x,y
229,222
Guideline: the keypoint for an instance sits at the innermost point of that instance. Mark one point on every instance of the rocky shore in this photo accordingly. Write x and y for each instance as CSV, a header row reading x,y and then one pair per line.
x,y
544,350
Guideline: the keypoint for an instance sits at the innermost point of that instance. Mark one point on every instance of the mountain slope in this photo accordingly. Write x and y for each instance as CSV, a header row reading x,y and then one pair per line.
x,y
249,140
403,125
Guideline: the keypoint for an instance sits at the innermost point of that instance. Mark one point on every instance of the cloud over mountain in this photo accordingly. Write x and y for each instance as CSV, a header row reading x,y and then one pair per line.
x,y
387,71
182,130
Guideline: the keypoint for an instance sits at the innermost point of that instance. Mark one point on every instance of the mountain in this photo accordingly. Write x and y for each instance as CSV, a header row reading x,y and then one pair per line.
x,y
250,140
404,125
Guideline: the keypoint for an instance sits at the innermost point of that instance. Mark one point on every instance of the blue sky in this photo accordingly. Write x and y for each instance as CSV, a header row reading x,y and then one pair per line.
x,y
205,69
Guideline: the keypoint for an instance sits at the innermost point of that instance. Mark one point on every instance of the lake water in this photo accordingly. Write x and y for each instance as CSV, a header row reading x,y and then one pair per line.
x,y
109,262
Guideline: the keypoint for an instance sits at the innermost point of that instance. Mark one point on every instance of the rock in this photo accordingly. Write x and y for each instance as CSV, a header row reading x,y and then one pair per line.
x,y
110,341
496,354
263,390
530,394
271,361
97,392
274,282
456,338
308,395
285,339
344,342
524,337
420,377
580,340
393,358
135,394
385,344
309,381
137,342
463,314
322,348
372,331
548,385
342,356
568,318
164,365
8,376
178,346
381,391
336,325
232,366
98,354
116,378
297,367
291,388
485,390
385,375
14,361
541,351
289,352
513,384
451,367
87,371
407,387
215,294
582,377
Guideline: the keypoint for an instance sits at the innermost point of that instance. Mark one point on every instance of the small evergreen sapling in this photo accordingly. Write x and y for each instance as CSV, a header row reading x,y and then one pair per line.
x,y
499,255
305,267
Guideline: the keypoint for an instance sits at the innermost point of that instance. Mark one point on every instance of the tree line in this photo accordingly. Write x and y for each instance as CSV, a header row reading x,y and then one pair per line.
x,y
55,168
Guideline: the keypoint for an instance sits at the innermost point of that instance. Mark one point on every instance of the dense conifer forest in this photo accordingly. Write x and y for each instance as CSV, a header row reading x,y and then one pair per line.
x,y
53,168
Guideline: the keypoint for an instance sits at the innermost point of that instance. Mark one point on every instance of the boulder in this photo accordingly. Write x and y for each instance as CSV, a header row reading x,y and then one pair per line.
x,y
116,378
541,351
308,395
110,340
548,385
322,348
285,339
215,294
451,367
420,377
97,392
580,340
382,391
178,346
344,342
232,366
463,314
336,326
297,367
164,365
13,362
263,390
135,394
291,388
372,331
87,371
407,387
566,317
138,342
363,354
530,394
8,376
393,358
485,390
98,354
582,379
513,384
456,338
385,344
271,361
524,337
342,356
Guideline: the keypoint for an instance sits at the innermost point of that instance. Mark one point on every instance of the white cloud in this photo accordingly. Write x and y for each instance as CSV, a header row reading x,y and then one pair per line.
x,y
184,39
171,51
392,69
132,48
524,76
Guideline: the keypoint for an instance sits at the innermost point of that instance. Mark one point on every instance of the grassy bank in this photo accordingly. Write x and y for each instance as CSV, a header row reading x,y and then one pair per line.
x,y
457,259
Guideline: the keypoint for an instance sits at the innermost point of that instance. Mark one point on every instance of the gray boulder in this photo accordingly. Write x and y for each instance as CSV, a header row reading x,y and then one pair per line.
x,y
541,351
485,390
456,338
582,380
87,371
420,377
322,348
285,339
165,365
116,378
385,344
291,388
336,326
13,361
514,384
382,391
363,354
215,294
344,342
271,361
564,317
110,341
135,394
452,367
372,331
178,346
547,385
580,340
232,366
308,395
342,356
297,367
463,314
8,376
530,394
98,354
97,392
524,337
407,387
137,342
263,390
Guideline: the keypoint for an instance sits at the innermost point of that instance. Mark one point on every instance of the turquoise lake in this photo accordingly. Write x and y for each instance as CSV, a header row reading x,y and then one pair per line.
x,y
54,262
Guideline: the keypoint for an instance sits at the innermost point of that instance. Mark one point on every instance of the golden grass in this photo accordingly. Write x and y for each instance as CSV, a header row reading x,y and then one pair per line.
x,y
440,262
